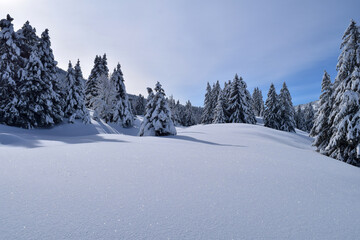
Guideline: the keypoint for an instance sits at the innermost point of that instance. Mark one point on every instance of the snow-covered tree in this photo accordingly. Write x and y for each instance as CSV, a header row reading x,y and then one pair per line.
x,y
50,75
140,105
208,110
258,102
220,109
75,95
27,40
299,119
271,112
286,110
10,63
240,103
103,103
157,120
321,128
188,118
100,68
345,100
122,113
309,115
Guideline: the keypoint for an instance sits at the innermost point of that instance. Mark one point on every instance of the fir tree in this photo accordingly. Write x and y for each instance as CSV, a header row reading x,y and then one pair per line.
x,y
10,63
286,110
103,103
188,119
75,96
91,83
345,99
122,111
50,75
309,117
321,128
140,105
271,116
220,116
157,120
258,102
299,119
240,103
27,40
207,113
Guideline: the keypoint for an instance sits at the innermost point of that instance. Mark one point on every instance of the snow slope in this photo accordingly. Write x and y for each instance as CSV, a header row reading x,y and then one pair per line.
x,y
226,181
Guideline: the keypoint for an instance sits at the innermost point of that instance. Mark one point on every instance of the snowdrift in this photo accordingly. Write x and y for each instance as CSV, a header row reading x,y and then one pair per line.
x,y
225,181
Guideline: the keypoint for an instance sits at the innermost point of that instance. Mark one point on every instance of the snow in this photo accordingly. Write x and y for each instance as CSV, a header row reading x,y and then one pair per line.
x,y
223,181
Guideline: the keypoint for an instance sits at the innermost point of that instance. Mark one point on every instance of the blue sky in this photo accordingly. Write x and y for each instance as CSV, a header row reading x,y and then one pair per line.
x,y
184,44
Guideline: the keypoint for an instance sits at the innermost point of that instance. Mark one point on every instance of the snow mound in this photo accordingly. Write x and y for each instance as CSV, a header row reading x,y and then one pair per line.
x,y
224,181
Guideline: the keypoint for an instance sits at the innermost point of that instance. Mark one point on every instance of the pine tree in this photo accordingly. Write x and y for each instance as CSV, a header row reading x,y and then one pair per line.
x,y
157,120
309,117
140,105
10,63
286,110
188,116
27,40
345,99
321,128
299,119
207,113
219,116
258,102
50,75
103,103
122,113
75,96
240,103
91,83
271,112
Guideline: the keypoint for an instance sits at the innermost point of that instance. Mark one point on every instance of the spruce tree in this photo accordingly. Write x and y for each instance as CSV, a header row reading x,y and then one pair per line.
x,y
240,103
75,96
103,103
10,63
206,117
157,120
286,110
50,75
258,102
91,83
219,116
122,113
140,105
271,112
345,99
321,128
309,117
299,119
27,40
188,115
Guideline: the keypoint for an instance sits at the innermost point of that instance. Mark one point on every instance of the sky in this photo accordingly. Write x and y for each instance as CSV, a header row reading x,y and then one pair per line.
x,y
185,44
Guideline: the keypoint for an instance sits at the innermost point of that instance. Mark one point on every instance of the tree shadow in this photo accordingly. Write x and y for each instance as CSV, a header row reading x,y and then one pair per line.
x,y
35,141
191,139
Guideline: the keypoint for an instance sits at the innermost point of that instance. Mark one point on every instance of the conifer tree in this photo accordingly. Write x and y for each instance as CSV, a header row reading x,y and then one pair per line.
x,y
122,110
321,128
344,99
50,75
10,63
91,83
103,103
140,105
220,116
258,102
309,117
206,117
27,40
188,115
286,110
75,96
299,119
157,120
271,112
240,103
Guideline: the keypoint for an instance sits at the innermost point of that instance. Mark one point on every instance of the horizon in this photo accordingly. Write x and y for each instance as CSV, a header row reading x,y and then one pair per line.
x,y
185,47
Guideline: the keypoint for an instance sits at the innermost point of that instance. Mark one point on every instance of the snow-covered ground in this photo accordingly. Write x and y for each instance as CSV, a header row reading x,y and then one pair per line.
x,y
226,181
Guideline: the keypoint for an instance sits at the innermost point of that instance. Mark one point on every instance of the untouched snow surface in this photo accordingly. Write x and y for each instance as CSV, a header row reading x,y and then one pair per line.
x,y
225,181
